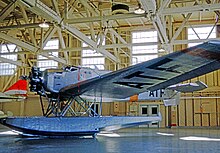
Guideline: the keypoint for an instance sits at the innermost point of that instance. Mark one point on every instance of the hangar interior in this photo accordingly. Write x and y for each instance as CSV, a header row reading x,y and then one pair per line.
x,y
109,35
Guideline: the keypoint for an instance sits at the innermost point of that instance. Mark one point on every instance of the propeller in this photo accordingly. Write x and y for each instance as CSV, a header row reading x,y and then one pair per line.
x,y
36,81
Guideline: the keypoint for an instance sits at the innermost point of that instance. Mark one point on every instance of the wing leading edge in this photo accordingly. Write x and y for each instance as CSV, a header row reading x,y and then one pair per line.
x,y
151,75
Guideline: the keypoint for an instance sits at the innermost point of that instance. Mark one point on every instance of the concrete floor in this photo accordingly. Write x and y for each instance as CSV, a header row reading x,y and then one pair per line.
x,y
131,140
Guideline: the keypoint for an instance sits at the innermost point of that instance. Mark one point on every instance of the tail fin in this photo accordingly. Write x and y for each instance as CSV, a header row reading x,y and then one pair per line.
x,y
18,88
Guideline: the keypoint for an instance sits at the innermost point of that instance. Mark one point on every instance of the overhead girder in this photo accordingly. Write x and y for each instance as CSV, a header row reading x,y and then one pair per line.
x,y
191,9
217,11
6,60
75,49
7,10
92,31
24,14
86,48
150,7
97,12
112,31
41,9
29,47
181,27
90,42
62,43
159,23
103,18
186,18
26,26
55,5
10,7
87,6
163,6
119,36
48,36
162,11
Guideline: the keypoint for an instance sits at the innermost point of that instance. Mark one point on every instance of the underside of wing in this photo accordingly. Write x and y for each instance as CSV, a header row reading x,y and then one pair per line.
x,y
151,75
10,97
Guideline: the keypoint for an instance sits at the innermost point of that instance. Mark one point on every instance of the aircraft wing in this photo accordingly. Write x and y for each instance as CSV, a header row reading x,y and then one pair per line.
x,y
151,75
11,97
8,98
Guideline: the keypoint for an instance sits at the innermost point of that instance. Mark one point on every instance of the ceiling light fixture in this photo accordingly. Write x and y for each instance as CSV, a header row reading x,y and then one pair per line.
x,y
120,9
139,10
44,25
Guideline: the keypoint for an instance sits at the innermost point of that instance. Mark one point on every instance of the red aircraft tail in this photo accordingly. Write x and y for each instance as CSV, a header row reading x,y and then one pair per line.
x,y
18,88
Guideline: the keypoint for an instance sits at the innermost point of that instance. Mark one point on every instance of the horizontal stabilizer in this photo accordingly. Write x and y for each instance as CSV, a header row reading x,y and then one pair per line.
x,y
171,97
188,87
171,102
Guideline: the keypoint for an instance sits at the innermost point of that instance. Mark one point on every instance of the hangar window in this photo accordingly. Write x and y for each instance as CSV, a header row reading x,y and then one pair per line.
x,y
144,110
141,53
7,68
45,63
91,58
196,33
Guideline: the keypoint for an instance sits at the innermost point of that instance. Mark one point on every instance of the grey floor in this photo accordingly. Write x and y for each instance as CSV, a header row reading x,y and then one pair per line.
x,y
131,140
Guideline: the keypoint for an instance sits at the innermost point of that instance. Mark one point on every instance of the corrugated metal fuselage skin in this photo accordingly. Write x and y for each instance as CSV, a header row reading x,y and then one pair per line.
x,y
72,126
54,81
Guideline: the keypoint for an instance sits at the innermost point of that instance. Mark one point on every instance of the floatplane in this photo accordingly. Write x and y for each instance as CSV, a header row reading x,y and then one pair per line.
x,y
68,91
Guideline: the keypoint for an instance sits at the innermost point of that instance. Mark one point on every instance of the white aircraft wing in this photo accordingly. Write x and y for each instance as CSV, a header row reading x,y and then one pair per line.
x,y
8,98
151,75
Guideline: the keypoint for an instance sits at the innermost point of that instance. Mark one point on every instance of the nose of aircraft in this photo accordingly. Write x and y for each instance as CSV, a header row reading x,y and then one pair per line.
x,y
36,81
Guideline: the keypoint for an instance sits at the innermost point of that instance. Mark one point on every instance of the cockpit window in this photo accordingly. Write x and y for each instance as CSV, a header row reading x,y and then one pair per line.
x,y
70,68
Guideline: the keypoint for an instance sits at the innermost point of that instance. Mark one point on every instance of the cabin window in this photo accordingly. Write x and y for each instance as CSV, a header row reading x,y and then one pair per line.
x,y
45,63
8,51
196,33
91,58
142,52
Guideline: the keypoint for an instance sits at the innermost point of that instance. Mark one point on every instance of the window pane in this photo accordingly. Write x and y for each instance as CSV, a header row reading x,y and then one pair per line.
x,y
7,68
144,110
144,49
154,110
92,59
89,53
94,62
202,32
141,53
45,63
142,58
